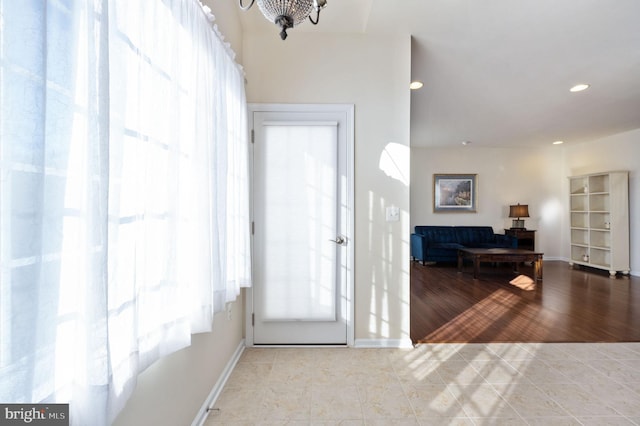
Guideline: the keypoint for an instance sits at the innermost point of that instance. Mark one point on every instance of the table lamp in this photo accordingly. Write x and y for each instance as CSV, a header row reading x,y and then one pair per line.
x,y
518,211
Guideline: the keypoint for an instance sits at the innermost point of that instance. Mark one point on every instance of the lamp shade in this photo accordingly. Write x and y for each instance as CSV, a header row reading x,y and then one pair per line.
x,y
518,211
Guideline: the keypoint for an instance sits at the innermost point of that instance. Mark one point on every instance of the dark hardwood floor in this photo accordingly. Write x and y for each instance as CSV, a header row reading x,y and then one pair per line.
x,y
569,305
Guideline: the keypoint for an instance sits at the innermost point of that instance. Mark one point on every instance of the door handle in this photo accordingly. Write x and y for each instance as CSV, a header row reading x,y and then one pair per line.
x,y
340,240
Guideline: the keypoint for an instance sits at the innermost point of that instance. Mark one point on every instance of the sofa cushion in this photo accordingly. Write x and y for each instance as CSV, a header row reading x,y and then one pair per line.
x,y
440,234
453,246
469,236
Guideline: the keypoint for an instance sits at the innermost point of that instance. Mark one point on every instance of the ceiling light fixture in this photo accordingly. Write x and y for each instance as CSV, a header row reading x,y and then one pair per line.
x,y
579,87
414,85
288,13
558,142
465,143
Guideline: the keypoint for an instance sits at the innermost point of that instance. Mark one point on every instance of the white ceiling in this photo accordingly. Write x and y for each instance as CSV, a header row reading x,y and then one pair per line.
x,y
498,72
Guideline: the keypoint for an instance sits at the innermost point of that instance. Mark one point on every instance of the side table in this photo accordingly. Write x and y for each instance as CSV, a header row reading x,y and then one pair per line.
x,y
526,237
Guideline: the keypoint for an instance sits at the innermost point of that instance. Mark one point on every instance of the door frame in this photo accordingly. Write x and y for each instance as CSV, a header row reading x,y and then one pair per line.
x,y
348,110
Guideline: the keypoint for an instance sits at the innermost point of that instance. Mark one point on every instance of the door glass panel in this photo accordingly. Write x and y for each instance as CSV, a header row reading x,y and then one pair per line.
x,y
300,185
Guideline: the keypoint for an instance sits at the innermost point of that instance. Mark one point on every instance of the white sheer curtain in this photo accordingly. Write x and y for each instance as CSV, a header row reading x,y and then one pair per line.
x,y
124,218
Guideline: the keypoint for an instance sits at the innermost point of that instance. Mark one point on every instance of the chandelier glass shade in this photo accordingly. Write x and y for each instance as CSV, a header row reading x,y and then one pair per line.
x,y
288,13
297,10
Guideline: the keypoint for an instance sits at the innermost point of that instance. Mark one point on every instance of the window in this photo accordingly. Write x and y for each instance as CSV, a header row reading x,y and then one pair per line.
x,y
124,217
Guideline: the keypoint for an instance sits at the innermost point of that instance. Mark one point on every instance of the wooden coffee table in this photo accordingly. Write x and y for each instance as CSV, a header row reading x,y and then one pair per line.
x,y
515,256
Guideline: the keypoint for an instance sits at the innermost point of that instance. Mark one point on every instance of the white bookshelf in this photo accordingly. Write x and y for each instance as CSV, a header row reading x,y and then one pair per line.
x,y
599,209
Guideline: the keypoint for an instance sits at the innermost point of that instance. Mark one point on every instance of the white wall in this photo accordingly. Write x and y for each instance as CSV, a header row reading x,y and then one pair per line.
x,y
172,390
373,73
505,176
617,152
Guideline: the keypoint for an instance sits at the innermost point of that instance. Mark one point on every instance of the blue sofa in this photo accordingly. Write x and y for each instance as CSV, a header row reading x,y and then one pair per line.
x,y
441,243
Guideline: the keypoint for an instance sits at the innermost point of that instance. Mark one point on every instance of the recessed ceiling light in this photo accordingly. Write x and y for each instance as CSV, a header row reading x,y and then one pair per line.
x,y
465,143
579,87
558,142
416,85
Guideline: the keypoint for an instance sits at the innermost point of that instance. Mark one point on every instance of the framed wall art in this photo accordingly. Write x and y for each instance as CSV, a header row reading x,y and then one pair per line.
x,y
455,193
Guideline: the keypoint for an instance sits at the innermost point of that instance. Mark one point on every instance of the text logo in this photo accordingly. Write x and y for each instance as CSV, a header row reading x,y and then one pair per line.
x,y
34,414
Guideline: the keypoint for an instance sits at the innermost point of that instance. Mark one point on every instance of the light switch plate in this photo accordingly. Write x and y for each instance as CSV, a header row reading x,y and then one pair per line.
x,y
393,214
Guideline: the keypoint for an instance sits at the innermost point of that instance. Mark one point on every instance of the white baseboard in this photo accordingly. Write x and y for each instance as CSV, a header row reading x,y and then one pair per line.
x,y
383,343
202,414
554,258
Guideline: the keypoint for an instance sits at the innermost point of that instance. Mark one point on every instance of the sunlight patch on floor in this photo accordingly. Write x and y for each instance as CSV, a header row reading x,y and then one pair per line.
x,y
475,320
523,282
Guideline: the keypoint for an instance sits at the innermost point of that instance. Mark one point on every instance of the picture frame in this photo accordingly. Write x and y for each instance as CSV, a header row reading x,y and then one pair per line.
x,y
455,193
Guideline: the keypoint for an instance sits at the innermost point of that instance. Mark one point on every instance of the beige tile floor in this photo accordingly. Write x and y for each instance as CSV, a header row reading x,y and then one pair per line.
x,y
435,384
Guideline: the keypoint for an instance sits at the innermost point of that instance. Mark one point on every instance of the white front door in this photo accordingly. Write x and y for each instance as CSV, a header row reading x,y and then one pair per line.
x,y
302,197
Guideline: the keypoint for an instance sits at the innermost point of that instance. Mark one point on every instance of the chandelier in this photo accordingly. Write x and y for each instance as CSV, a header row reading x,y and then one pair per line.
x,y
288,13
